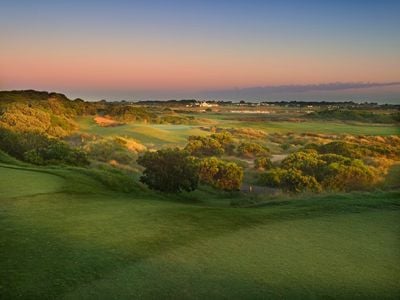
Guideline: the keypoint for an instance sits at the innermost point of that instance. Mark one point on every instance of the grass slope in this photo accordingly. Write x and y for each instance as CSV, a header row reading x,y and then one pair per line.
x,y
66,236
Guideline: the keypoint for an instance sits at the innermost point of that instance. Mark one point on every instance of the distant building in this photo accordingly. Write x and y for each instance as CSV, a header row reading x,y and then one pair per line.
x,y
206,104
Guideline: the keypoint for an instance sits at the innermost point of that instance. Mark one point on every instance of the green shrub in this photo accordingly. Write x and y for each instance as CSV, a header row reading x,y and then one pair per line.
x,y
222,175
204,146
264,163
295,181
249,150
169,170
38,149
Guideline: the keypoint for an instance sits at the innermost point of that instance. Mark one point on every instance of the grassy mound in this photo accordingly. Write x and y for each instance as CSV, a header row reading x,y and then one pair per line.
x,y
63,234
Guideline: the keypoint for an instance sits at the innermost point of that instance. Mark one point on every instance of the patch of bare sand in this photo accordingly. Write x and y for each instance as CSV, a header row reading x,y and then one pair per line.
x,y
106,122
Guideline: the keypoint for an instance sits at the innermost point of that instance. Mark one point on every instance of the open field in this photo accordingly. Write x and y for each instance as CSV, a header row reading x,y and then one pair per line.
x,y
270,125
66,236
149,134
321,127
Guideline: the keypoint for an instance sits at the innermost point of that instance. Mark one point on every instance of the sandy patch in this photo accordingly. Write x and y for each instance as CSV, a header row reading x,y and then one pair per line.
x,y
106,122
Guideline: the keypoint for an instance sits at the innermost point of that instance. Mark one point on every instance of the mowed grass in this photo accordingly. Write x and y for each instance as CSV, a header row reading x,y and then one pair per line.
x,y
149,134
88,243
17,182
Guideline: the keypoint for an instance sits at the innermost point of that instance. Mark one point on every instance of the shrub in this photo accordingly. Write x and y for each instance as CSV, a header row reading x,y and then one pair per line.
x,y
169,170
204,146
272,178
222,175
295,181
309,163
251,150
353,176
262,163
311,171
291,180
106,150
226,141
36,148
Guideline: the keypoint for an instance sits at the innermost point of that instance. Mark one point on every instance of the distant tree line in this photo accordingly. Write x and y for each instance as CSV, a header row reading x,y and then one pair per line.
x,y
355,115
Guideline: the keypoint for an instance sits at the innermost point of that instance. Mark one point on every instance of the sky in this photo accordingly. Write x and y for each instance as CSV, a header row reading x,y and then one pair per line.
x,y
167,49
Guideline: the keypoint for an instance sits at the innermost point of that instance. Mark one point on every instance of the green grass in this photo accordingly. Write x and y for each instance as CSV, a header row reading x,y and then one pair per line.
x,y
270,124
19,183
66,236
393,177
149,134
320,127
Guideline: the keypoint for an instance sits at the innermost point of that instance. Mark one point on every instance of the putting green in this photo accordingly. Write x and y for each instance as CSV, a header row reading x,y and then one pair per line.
x,y
20,182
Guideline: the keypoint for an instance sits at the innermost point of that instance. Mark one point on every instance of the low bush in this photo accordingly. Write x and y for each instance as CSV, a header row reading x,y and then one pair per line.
x,y
39,149
222,175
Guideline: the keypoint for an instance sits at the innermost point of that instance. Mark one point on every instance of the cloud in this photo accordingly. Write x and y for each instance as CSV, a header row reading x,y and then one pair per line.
x,y
284,90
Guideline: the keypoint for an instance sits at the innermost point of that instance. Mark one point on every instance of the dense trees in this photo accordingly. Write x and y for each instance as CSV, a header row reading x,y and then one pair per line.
x,y
169,170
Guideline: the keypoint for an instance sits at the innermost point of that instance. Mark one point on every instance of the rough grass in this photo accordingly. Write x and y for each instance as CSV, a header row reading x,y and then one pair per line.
x,y
272,124
324,127
74,239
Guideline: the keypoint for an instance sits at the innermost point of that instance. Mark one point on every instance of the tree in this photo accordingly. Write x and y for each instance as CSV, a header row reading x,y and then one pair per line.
x,y
220,174
169,170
